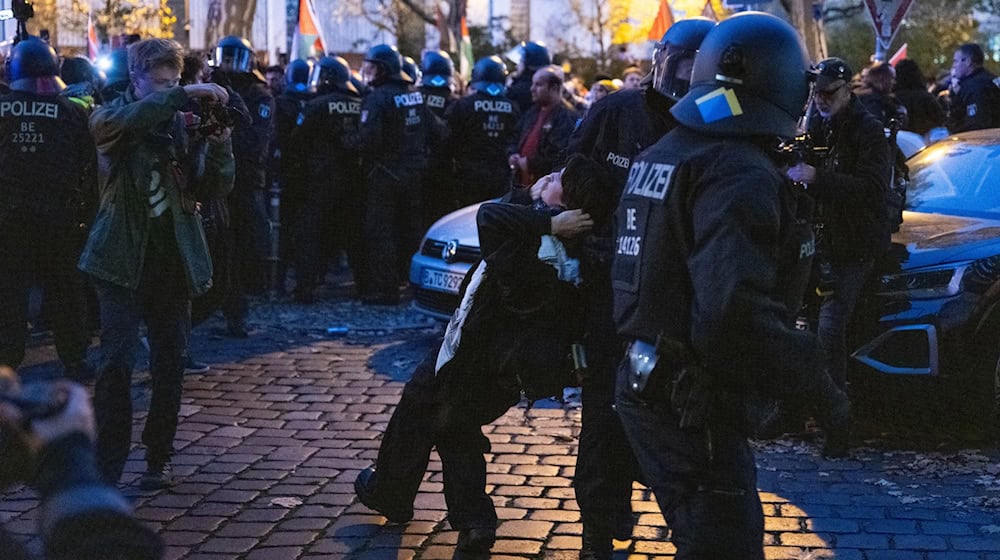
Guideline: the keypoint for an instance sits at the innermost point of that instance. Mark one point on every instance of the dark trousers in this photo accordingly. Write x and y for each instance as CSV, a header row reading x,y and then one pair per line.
x,y
161,300
705,480
835,315
35,252
446,411
605,464
393,226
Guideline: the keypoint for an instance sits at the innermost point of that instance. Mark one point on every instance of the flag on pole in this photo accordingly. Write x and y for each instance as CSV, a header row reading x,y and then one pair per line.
x,y
466,61
664,19
709,12
308,38
92,45
900,55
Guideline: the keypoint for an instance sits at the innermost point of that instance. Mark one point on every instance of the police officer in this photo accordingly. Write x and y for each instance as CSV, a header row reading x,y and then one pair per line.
x,y
975,98
614,132
393,139
709,262
47,196
334,190
289,158
248,205
533,56
436,70
480,128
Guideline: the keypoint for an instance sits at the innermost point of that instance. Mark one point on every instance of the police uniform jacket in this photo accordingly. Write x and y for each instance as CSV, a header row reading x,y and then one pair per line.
x,y
328,124
290,109
140,142
48,160
852,183
976,105
480,129
554,138
520,91
394,129
707,249
251,144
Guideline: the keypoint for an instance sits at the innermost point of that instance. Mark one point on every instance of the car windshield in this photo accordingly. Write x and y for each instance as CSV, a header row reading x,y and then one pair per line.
x,y
958,177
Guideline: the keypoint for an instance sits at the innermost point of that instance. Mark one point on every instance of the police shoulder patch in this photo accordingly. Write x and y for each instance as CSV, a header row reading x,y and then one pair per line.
x,y
264,111
971,109
364,116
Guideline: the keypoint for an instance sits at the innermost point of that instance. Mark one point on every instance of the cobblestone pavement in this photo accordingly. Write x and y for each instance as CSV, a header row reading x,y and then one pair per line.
x,y
273,436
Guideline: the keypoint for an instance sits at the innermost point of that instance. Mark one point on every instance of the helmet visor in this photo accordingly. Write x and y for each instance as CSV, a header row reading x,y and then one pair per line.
x,y
232,59
672,70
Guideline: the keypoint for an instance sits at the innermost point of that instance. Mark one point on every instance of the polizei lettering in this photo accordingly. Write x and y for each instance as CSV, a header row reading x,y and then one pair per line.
x,y
342,107
649,180
29,109
617,160
493,106
436,101
409,99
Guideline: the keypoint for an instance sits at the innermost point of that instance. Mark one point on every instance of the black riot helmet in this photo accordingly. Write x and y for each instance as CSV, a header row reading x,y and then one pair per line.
x,y
297,75
674,56
34,67
489,75
534,55
332,73
436,68
749,78
389,65
234,54
411,70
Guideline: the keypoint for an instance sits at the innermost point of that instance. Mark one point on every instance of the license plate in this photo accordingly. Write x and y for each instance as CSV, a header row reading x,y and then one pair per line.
x,y
440,280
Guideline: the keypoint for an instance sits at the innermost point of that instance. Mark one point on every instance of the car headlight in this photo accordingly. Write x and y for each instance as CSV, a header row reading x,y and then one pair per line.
x,y
925,283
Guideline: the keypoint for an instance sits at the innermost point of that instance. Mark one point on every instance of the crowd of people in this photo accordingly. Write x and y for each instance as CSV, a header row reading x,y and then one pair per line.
x,y
154,189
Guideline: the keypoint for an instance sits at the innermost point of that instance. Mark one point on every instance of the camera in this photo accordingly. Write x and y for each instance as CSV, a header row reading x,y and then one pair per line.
x,y
215,117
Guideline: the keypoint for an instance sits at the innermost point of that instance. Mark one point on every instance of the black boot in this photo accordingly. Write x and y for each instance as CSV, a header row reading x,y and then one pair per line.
x,y
474,544
364,488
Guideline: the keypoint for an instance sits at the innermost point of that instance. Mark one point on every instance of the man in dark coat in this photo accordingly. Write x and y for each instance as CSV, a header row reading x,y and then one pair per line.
x,y
975,99
544,129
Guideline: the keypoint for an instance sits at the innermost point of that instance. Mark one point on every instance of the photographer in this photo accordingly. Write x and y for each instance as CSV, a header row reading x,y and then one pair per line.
x,y
82,518
147,251
851,189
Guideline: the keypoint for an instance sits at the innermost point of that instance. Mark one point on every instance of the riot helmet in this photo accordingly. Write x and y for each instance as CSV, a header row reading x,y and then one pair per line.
x,y
386,64
34,67
534,55
234,54
330,73
674,55
297,75
489,75
411,70
436,69
749,79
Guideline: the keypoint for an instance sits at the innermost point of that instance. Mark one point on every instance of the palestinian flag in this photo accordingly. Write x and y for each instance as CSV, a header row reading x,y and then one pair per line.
x,y
308,38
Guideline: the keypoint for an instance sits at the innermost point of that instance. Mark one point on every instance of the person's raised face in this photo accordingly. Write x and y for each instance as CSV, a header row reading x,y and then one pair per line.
x,y
552,191
833,99
542,90
961,65
158,78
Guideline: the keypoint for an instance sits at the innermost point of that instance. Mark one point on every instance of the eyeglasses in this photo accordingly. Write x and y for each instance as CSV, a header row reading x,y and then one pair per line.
x,y
830,93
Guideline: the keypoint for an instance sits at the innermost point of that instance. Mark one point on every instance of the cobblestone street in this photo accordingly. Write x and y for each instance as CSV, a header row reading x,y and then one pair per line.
x,y
272,437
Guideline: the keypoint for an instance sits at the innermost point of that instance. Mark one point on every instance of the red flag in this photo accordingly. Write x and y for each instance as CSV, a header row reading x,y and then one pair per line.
x,y
92,45
709,12
308,38
664,19
900,55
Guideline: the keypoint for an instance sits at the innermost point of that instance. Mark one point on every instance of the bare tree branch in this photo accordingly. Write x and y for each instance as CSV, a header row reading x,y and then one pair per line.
x,y
419,11
844,12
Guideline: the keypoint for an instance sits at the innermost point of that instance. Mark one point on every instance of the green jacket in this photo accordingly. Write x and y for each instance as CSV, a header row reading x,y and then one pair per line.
x,y
138,140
